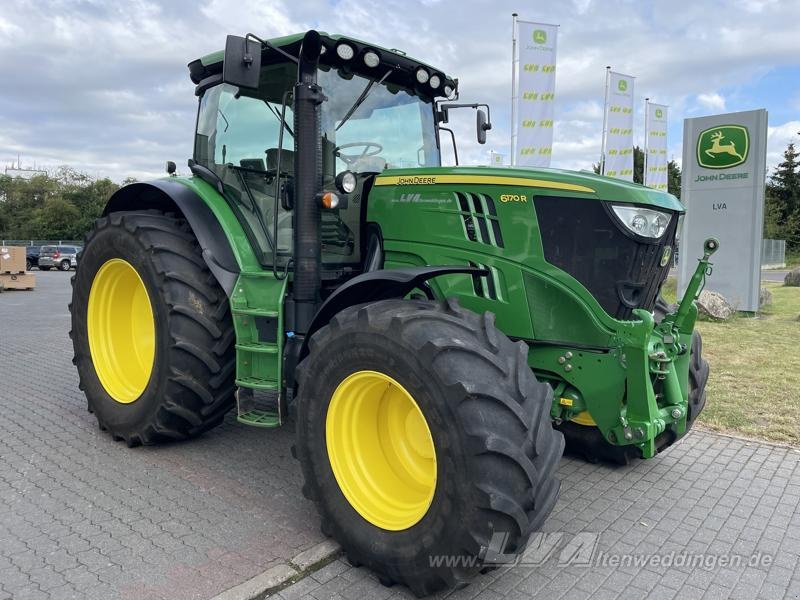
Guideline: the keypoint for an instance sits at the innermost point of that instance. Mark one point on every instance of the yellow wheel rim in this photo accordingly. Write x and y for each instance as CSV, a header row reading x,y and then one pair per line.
x,y
381,450
122,331
584,418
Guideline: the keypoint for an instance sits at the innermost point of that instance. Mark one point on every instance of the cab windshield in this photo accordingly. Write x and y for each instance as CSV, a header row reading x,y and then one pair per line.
x,y
392,128
238,136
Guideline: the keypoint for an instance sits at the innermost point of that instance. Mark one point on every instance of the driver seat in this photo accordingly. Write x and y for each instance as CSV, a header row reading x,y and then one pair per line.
x,y
287,160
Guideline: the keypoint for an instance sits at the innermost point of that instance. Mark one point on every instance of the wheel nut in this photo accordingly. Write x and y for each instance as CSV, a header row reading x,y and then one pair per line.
x,y
568,355
568,368
676,413
561,360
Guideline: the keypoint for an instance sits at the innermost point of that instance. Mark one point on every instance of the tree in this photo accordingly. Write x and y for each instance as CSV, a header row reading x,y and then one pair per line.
x,y
673,172
59,205
782,200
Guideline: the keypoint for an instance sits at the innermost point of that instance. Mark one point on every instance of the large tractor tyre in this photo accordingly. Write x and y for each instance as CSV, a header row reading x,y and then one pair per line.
x,y
425,441
587,441
151,330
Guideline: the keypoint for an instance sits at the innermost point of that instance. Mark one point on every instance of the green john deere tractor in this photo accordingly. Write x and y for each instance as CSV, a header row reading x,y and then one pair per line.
x,y
438,332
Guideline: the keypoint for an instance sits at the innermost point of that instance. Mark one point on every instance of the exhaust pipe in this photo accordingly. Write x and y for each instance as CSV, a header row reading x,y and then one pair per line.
x,y
308,184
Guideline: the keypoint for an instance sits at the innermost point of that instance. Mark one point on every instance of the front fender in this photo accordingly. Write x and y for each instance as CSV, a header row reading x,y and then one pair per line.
x,y
378,285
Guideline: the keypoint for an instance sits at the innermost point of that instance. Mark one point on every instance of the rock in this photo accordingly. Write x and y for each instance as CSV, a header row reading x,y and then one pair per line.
x,y
714,305
764,298
792,278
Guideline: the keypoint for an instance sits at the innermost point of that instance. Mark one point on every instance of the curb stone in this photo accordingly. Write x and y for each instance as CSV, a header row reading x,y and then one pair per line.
x,y
282,575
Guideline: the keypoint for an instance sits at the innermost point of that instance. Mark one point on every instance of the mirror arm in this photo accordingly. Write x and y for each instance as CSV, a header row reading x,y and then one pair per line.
x,y
453,136
267,44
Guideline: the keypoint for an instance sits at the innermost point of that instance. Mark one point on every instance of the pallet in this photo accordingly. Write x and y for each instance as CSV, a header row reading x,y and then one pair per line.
x,y
17,281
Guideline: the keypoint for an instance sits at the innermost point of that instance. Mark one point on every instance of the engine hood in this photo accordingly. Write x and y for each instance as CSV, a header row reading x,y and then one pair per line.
x,y
527,181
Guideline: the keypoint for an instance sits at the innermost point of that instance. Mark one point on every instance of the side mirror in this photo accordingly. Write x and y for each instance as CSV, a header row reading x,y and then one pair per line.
x,y
483,126
171,167
242,63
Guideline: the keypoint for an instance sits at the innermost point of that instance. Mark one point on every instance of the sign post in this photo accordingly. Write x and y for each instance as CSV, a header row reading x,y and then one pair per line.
x,y
534,82
617,151
724,173
656,173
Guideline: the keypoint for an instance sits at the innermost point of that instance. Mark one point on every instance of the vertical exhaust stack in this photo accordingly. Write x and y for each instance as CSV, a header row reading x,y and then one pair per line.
x,y
308,184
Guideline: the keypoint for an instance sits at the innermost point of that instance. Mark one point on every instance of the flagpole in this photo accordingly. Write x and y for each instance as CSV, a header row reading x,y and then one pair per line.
x,y
605,125
513,88
646,139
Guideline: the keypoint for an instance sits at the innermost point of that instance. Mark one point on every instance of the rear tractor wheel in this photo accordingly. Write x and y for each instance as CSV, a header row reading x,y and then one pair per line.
x,y
425,441
151,330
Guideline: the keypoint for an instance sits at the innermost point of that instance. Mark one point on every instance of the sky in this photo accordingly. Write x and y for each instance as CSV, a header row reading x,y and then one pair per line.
x,y
103,86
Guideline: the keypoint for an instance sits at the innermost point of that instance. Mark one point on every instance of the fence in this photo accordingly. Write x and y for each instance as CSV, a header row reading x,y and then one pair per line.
x,y
41,243
773,254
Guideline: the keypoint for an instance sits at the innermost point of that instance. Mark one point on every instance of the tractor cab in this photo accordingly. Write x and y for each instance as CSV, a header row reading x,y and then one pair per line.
x,y
377,111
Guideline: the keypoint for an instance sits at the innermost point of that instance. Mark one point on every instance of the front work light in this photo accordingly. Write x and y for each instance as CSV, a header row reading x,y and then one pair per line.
x,y
422,75
371,59
645,222
346,182
435,81
345,51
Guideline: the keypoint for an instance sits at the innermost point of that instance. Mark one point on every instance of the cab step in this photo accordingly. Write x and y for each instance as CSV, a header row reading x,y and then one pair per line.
x,y
259,408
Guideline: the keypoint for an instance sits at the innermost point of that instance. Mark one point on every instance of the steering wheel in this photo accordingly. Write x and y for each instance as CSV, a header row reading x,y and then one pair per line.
x,y
350,159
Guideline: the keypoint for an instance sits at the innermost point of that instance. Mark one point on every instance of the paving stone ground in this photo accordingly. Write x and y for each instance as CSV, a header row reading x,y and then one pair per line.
x,y
82,516
728,506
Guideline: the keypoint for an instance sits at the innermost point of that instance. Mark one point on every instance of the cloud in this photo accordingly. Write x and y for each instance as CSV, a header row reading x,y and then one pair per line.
x,y
778,138
103,85
712,101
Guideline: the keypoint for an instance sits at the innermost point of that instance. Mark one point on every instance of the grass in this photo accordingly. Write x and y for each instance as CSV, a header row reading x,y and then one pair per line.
x,y
755,369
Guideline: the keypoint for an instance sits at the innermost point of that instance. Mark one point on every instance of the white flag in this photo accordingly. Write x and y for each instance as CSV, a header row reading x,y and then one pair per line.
x,y
497,159
655,145
619,127
535,93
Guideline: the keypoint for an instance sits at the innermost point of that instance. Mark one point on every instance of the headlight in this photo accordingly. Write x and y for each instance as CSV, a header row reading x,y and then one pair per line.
x,y
345,51
645,222
346,182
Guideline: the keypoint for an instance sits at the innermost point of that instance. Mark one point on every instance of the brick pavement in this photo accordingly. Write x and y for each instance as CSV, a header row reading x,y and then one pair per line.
x,y
83,516
712,497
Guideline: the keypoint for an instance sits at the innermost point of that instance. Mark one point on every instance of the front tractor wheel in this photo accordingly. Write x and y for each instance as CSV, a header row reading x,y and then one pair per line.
x,y
151,330
425,441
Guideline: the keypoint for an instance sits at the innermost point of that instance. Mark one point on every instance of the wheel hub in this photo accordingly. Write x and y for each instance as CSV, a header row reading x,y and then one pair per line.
x,y
121,330
381,450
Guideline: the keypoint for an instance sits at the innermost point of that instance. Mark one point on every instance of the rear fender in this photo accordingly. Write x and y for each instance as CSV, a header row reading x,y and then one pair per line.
x,y
171,196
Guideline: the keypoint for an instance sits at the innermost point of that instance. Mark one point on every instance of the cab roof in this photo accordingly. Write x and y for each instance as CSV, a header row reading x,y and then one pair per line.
x,y
404,67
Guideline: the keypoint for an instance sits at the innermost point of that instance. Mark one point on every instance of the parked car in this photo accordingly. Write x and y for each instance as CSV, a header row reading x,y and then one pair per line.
x,y
58,257
32,257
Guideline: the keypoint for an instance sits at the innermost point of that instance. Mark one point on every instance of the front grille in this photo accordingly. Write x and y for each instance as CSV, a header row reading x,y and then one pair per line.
x,y
582,238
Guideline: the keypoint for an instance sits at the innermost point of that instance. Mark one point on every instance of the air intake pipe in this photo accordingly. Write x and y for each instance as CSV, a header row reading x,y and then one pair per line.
x,y
308,183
